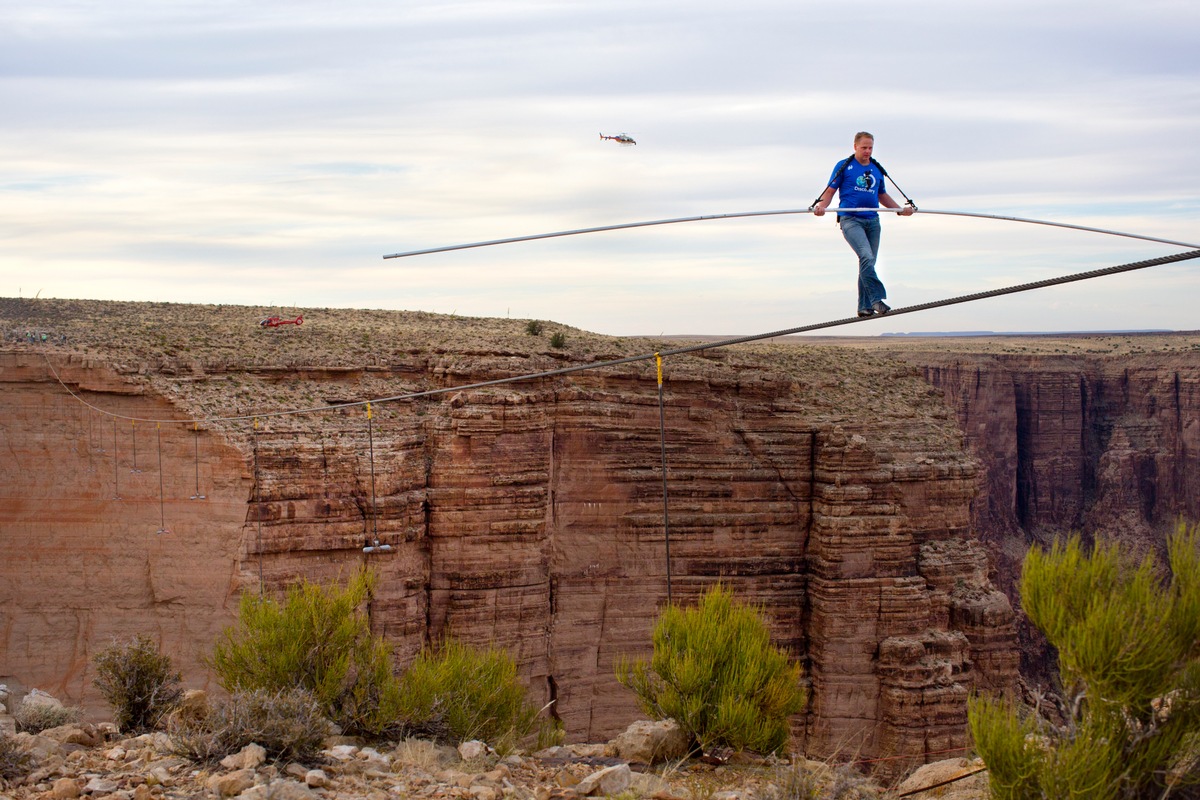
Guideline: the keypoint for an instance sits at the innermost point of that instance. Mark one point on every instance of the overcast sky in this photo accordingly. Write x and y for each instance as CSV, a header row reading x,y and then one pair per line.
x,y
269,153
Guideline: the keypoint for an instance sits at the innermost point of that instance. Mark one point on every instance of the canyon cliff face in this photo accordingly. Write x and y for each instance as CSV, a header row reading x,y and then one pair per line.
x,y
1103,446
146,490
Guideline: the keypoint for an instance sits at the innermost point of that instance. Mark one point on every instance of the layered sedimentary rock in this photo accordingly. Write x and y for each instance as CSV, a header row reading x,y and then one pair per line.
x,y
1104,446
86,556
530,516
877,509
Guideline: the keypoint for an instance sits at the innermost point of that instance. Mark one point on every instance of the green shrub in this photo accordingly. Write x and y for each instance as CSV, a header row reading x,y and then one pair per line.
x,y
534,327
287,724
35,717
558,339
1128,722
15,761
317,639
138,682
457,693
715,672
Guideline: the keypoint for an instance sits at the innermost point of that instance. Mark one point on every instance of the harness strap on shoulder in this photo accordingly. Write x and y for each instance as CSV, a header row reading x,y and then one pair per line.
x,y
837,176
841,170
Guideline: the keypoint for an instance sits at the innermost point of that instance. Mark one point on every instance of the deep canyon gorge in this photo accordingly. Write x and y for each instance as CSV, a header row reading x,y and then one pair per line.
x,y
875,496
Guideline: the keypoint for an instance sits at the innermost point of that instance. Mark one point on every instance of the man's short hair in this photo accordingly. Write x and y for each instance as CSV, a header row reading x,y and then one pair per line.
x,y
863,135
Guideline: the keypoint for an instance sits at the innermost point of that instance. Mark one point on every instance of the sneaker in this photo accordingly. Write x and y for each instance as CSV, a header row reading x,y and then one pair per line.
x,y
866,312
881,307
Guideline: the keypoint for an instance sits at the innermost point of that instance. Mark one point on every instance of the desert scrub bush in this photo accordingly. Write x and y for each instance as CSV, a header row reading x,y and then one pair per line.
x,y
287,724
792,782
715,672
36,716
534,327
15,761
138,681
316,638
558,340
457,693
1127,724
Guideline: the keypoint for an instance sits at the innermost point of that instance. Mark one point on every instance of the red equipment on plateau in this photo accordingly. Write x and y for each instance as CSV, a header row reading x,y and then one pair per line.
x,y
275,322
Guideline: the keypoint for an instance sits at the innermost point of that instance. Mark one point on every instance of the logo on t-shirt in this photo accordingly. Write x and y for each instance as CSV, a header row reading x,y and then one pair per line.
x,y
865,182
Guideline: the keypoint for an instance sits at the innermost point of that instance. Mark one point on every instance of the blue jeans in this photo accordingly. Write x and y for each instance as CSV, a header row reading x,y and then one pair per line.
x,y
863,237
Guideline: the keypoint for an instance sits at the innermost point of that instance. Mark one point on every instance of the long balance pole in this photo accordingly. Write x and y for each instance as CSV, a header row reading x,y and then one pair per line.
x,y
626,225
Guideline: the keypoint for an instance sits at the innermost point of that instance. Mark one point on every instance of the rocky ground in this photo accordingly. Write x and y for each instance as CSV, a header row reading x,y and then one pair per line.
x,y
94,762
217,360
217,363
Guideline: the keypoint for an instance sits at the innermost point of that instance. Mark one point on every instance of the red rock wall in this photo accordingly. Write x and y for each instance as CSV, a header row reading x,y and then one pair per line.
x,y
80,513
530,517
1104,446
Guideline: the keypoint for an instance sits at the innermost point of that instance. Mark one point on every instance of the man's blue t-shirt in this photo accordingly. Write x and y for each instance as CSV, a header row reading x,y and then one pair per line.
x,y
860,187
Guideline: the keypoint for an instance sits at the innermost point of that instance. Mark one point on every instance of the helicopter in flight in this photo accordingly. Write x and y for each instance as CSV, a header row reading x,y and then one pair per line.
x,y
621,138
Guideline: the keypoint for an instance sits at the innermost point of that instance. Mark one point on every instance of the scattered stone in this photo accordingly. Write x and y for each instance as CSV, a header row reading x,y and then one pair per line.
x,y
40,746
497,775
229,784
341,752
969,787
249,757
472,750
37,697
161,776
455,778
588,750
157,742
651,742
146,767
75,733
608,781
99,786
338,740
65,789
373,757
280,790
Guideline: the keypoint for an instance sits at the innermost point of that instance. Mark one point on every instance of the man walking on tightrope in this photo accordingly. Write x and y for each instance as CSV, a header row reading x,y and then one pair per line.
x,y
859,182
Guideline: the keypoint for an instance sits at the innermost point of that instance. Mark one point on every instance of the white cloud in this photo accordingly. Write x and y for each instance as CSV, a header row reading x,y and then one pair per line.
x,y
262,152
